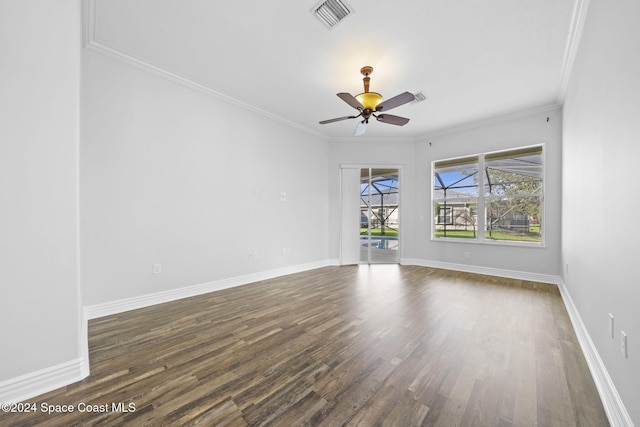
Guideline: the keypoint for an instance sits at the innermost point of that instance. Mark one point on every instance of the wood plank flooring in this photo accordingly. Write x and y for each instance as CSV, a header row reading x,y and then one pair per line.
x,y
380,345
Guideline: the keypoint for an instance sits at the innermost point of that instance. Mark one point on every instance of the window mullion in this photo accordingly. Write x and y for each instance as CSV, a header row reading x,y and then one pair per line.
x,y
480,208
506,189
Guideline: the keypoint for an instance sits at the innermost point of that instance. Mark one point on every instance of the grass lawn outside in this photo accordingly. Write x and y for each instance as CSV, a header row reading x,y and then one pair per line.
x,y
388,232
534,235
495,235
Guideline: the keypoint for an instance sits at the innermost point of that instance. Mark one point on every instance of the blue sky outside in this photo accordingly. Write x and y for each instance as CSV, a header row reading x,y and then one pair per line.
x,y
458,181
386,186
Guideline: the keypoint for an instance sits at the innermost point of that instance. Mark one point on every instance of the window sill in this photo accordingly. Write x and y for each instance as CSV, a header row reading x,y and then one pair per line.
x,y
490,242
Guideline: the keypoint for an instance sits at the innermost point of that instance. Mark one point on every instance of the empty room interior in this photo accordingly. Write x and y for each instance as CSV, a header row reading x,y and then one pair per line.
x,y
197,230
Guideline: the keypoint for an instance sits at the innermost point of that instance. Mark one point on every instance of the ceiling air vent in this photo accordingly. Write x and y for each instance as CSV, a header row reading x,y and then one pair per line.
x,y
330,12
419,97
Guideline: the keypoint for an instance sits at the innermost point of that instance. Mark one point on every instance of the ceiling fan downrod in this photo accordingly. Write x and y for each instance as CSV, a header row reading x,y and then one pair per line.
x,y
366,71
367,103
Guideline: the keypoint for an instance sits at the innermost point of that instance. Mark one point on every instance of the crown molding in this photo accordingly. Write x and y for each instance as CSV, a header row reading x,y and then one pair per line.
x,y
92,44
578,18
490,121
88,10
144,65
453,129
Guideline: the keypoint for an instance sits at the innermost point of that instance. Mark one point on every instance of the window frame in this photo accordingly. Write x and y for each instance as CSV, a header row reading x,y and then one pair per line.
x,y
482,200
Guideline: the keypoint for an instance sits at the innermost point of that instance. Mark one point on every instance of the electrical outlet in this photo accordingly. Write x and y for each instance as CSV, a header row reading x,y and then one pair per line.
x,y
283,196
611,333
623,344
157,268
467,255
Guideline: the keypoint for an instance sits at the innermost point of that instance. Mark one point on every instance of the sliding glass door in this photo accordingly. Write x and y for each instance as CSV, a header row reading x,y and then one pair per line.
x,y
379,215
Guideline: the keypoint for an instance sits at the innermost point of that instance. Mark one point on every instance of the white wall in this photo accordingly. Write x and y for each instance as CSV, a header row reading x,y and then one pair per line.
x,y
541,263
601,151
372,152
39,105
508,132
168,176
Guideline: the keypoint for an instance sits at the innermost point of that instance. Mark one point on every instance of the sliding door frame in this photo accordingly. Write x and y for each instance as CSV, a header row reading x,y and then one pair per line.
x,y
346,222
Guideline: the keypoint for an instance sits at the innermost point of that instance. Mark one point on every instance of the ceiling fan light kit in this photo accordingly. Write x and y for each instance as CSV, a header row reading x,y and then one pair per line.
x,y
369,100
368,103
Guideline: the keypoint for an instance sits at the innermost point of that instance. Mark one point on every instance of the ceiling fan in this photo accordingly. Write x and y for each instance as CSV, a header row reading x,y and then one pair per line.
x,y
368,103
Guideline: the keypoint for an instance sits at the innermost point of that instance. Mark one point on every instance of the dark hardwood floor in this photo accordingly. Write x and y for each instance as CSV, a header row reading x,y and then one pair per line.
x,y
380,345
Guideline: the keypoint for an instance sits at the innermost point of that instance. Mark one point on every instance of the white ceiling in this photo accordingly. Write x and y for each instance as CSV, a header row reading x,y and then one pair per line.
x,y
473,59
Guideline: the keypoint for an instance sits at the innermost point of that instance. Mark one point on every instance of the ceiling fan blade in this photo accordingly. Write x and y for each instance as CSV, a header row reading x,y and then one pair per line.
x,y
396,101
361,128
392,120
338,119
351,100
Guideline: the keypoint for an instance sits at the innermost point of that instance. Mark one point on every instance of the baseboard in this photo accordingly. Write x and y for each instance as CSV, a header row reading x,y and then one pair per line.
x,y
119,306
43,381
498,272
613,405
33,384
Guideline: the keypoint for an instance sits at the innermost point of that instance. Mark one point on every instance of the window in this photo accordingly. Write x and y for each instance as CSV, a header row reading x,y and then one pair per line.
x,y
444,215
508,208
455,197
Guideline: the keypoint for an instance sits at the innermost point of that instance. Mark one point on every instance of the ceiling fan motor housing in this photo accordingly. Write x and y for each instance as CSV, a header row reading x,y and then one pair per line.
x,y
368,103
